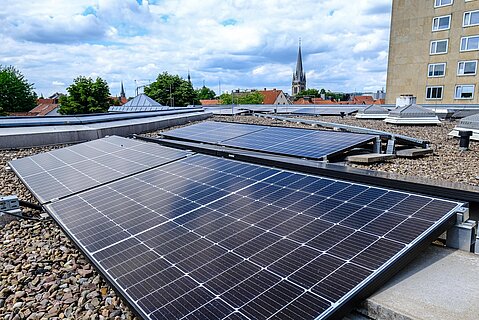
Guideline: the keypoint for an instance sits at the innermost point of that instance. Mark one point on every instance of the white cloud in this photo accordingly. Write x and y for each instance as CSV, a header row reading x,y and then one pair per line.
x,y
242,43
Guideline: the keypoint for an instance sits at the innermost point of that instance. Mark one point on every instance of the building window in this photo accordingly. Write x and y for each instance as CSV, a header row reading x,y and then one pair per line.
x,y
465,91
442,3
436,70
441,23
466,68
439,46
470,43
434,93
471,18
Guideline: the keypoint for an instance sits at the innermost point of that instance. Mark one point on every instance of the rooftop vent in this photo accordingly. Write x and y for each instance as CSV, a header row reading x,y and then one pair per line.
x,y
372,112
412,114
470,123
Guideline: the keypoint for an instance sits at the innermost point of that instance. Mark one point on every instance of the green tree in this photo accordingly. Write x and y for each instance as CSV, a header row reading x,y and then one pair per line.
x,y
205,93
242,98
172,90
312,93
225,98
86,96
16,94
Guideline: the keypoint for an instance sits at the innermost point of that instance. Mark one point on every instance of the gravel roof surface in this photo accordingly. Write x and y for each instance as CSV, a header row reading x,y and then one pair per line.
x,y
43,276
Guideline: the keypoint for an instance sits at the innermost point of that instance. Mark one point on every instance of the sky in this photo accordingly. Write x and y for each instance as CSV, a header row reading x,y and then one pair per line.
x,y
224,44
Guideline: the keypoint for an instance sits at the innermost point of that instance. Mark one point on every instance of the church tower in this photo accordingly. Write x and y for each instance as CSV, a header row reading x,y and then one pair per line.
x,y
122,92
299,77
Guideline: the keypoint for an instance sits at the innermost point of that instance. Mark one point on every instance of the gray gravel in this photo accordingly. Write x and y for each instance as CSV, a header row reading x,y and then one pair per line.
x,y
43,276
447,162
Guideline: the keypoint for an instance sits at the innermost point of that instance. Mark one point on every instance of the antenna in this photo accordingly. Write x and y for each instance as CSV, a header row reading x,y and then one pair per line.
x,y
140,86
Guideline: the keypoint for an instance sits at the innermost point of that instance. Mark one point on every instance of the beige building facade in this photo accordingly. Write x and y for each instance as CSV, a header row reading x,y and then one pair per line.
x,y
434,51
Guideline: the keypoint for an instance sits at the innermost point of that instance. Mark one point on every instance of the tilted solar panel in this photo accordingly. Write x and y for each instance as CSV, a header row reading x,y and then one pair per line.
x,y
313,144
69,170
211,238
303,143
212,132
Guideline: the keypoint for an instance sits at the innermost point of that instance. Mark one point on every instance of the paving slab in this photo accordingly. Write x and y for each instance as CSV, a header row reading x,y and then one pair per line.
x,y
370,158
414,153
441,283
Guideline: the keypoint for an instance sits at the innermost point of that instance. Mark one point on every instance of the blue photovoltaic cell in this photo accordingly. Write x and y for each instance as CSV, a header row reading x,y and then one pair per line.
x,y
211,238
69,170
313,144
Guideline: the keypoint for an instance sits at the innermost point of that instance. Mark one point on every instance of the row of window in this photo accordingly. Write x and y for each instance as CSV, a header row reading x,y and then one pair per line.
x,y
463,91
442,3
464,68
470,43
471,18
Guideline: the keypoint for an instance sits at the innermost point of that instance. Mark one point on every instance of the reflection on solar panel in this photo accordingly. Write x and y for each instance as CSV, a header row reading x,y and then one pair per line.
x,y
313,144
211,238
69,170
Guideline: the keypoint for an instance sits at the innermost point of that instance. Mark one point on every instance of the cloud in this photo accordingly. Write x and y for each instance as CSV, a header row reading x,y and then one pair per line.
x,y
240,43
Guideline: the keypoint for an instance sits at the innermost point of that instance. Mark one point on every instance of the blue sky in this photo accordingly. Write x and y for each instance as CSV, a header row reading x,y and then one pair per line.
x,y
234,44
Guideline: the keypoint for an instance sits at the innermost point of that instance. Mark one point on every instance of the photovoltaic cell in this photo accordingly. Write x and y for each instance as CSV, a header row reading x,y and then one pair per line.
x,y
205,237
69,170
312,144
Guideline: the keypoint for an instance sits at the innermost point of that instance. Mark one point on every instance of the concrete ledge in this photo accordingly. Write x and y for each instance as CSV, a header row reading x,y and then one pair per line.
x,y
414,153
440,284
370,158
25,137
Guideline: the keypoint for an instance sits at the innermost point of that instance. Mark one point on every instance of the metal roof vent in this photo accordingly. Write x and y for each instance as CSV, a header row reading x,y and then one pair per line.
x,y
373,112
412,114
470,123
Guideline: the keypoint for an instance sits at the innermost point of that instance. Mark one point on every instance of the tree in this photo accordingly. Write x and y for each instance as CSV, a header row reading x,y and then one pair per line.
x,y
242,98
205,93
172,90
16,94
86,96
311,93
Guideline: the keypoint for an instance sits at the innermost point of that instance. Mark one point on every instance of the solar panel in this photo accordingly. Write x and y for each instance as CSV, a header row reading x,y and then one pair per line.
x,y
69,170
303,143
212,238
213,132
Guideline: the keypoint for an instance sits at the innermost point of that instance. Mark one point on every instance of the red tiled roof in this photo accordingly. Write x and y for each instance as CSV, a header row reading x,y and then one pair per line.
x,y
270,96
302,101
314,101
363,100
207,102
122,100
45,107
379,101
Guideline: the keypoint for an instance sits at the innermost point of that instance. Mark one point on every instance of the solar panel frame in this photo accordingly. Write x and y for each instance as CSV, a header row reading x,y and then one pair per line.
x,y
281,179
88,165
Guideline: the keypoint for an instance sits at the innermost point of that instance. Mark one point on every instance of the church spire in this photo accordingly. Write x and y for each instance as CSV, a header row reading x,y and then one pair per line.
x,y
299,77
122,92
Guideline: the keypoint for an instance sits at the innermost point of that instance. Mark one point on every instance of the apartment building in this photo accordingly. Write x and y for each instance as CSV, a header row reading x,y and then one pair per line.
x,y
434,51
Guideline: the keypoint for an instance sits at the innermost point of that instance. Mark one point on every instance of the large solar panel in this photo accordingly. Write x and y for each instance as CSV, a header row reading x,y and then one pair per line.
x,y
303,143
69,170
213,132
211,238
